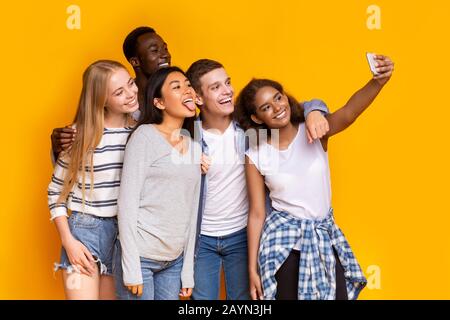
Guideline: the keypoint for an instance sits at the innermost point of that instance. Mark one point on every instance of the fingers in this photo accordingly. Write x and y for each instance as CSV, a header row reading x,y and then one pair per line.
x,y
327,126
136,290
62,138
205,168
308,135
255,288
88,261
133,289
205,163
259,291
384,64
185,292
256,292
318,131
64,132
323,128
65,135
88,255
253,294
66,146
89,266
79,268
312,132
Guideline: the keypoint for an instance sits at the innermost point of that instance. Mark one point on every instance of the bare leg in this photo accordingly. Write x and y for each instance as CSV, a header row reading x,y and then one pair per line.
x,y
107,288
81,287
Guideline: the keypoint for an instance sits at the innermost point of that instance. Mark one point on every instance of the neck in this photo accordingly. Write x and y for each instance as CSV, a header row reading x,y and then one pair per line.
x,y
141,82
220,123
170,124
115,120
287,133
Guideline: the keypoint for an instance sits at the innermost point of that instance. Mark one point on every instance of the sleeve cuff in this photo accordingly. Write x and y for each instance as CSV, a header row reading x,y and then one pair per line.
x,y
58,212
315,105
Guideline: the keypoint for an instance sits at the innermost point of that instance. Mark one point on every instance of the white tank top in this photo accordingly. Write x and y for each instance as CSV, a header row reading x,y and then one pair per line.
x,y
298,178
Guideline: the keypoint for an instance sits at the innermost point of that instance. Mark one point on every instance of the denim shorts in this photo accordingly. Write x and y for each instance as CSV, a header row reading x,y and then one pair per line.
x,y
98,235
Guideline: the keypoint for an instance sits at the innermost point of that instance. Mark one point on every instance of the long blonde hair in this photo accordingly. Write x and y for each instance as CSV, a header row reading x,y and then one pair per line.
x,y
89,122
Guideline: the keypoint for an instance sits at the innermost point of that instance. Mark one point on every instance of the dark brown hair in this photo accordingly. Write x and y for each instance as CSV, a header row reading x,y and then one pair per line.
x,y
198,69
152,114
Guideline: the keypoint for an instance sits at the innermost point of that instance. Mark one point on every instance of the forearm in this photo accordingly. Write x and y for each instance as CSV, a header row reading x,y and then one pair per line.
x,y
62,225
57,206
361,100
130,253
187,272
128,207
358,102
131,187
254,228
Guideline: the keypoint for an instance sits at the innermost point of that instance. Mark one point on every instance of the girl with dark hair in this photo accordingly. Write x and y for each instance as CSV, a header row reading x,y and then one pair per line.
x,y
159,192
297,251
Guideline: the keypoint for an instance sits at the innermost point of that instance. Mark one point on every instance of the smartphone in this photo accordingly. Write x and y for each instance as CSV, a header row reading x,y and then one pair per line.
x,y
372,63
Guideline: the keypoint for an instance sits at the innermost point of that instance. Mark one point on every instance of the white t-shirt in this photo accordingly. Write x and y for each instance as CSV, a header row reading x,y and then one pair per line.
x,y
298,178
226,205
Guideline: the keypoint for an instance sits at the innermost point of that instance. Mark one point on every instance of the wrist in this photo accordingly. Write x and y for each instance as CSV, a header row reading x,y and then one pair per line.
x,y
378,83
253,271
66,240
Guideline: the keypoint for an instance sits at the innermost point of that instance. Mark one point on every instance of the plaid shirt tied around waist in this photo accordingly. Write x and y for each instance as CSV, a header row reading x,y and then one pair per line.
x,y
317,273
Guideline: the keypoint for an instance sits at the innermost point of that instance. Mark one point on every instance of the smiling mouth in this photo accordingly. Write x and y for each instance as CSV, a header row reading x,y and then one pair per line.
x,y
189,103
132,102
163,65
281,115
225,101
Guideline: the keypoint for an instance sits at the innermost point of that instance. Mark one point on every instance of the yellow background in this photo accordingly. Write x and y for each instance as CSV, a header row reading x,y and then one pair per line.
x,y
389,170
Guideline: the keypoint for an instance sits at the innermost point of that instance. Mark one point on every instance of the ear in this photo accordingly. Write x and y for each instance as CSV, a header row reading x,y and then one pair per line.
x,y
198,100
255,119
158,103
134,61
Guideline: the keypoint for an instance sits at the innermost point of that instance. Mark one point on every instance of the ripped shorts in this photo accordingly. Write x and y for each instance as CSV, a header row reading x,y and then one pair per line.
x,y
98,235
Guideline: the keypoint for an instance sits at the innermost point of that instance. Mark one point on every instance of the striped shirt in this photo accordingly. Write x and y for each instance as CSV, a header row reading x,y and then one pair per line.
x,y
108,162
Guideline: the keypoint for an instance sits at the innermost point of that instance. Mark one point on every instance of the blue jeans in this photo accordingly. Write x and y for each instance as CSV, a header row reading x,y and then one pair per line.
x,y
161,279
213,252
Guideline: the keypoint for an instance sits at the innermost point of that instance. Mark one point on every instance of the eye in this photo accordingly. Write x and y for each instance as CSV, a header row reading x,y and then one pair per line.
x,y
119,93
215,87
176,87
265,108
278,98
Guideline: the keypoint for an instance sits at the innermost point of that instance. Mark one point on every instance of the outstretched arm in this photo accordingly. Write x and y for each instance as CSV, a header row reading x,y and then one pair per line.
x,y
361,100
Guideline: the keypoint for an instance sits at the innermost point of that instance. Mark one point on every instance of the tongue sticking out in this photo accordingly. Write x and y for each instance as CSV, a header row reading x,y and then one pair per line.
x,y
190,105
